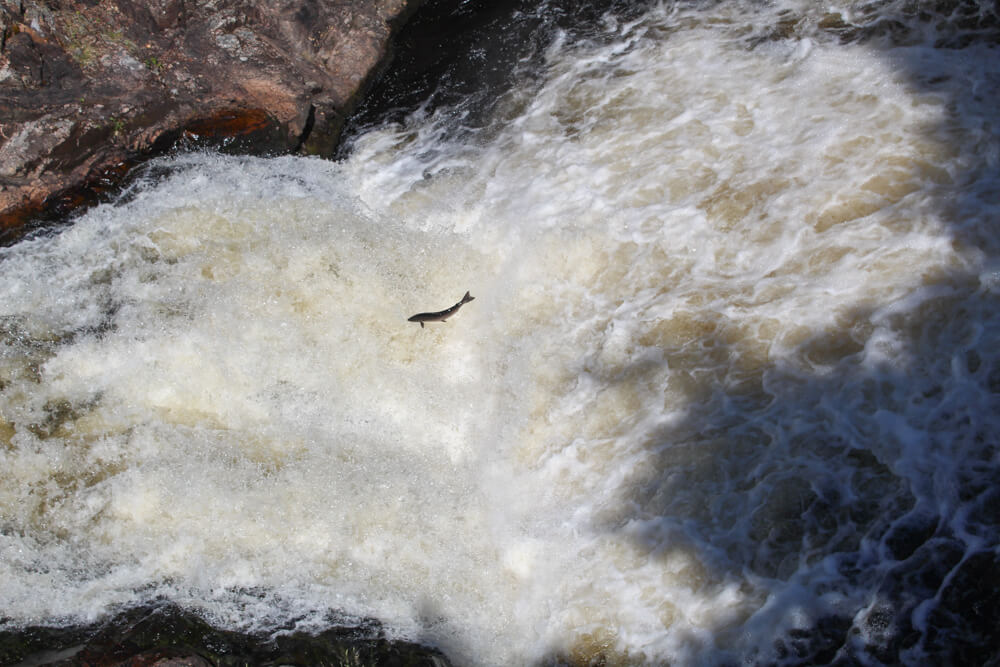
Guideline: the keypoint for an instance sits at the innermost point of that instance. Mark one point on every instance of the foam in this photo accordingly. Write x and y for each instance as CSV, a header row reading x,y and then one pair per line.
x,y
712,286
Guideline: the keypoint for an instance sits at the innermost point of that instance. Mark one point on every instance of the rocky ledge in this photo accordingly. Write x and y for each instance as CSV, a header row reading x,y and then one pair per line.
x,y
88,88
164,635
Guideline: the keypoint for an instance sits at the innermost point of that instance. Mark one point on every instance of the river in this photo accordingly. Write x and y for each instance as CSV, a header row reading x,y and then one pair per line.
x,y
729,390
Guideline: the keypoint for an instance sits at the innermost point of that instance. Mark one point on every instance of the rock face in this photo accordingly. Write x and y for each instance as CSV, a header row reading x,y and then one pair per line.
x,y
88,88
161,634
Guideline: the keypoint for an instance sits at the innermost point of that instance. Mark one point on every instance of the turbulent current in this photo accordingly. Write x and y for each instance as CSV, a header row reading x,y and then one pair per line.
x,y
729,390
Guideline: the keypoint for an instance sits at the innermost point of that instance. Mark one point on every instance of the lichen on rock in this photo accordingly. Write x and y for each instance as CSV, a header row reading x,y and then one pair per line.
x,y
86,88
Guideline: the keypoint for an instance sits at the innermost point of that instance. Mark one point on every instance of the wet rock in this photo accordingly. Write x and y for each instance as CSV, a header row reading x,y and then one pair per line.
x,y
88,90
164,635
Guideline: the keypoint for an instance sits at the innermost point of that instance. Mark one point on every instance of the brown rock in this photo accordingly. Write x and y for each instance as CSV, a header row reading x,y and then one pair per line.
x,y
89,89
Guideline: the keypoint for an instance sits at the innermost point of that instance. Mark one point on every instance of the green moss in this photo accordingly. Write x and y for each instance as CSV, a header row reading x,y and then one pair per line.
x,y
79,40
117,126
85,37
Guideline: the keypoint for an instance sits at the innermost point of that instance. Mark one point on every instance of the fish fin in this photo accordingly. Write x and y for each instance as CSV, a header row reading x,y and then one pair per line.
x,y
421,325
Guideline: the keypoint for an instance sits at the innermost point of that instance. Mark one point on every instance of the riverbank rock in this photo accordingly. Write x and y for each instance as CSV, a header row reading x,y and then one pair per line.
x,y
89,89
162,634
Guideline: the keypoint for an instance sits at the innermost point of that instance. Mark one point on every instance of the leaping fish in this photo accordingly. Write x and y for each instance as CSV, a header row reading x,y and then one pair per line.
x,y
441,316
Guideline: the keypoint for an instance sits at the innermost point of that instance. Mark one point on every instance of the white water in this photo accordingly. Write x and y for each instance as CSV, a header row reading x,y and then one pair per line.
x,y
735,316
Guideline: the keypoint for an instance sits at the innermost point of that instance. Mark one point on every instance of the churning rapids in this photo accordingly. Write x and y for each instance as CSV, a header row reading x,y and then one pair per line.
x,y
729,390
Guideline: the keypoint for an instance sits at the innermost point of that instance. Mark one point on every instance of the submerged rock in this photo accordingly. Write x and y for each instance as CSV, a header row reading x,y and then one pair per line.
x,y
164,635
89,89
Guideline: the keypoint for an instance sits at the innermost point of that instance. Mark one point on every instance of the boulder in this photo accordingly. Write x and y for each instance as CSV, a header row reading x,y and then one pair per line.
x,y
89,89
162,634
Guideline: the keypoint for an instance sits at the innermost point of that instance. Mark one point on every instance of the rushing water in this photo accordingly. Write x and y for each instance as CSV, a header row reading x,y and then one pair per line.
x,y
729,389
